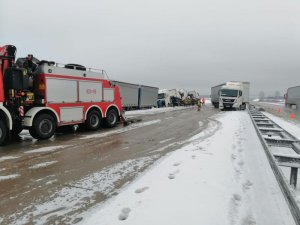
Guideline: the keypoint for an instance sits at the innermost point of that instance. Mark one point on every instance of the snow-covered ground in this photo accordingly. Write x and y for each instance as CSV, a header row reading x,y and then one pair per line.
x,y
160,110
221,177
154,111
292,128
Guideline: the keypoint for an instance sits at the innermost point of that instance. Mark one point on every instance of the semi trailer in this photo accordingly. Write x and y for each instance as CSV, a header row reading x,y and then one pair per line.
x,y
43,95
136,96
292,97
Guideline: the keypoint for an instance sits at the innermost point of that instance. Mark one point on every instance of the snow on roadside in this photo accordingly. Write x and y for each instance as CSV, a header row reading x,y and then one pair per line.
x,y
154,110
4,158
220,179
122,130
77,194
160,110
42,165
47,149
9,177
292,128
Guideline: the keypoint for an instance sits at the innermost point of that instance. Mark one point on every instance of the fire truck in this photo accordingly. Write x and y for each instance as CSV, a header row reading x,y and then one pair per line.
x,y
51,95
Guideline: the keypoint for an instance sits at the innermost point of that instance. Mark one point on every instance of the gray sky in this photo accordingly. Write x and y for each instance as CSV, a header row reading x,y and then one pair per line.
x,y
191,44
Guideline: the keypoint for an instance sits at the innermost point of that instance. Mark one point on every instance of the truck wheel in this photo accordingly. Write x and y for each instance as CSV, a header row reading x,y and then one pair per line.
x,y
43,127
3,133
93,120
111,118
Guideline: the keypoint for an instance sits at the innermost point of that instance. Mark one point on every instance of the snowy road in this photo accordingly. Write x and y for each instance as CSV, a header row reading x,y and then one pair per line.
x,y
57,180
221,177
175,167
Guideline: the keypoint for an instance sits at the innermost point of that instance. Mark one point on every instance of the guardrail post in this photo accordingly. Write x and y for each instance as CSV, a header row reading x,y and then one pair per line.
x,y
293,177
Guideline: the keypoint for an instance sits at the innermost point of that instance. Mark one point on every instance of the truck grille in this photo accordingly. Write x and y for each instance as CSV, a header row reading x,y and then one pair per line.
x,y
228,100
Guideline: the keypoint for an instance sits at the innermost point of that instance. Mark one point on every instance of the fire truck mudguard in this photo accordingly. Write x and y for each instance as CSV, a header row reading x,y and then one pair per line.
x,y
5,115
31,114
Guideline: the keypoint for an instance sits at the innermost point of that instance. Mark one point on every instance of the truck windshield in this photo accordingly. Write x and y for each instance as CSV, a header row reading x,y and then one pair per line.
x,y
229,93
161,96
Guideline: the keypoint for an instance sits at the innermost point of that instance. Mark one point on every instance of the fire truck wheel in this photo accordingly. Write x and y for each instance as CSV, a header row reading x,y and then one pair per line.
x,y
43,127
3,133
93,120
111,118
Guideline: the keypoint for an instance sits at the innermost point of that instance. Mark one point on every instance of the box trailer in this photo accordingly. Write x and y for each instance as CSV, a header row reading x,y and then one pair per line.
x,y
215,95
148,96
136,96
129,94
292,97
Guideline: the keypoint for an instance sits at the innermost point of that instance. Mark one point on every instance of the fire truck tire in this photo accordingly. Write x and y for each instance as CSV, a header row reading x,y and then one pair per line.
x,y
3,133
111,118
43,127
93,120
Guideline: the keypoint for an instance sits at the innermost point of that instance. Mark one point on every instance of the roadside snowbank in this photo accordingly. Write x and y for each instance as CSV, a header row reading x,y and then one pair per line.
x,y
154,110
292,128
221,178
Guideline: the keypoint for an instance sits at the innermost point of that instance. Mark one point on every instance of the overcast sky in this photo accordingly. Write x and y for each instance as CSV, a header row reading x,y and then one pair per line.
x,y
191,44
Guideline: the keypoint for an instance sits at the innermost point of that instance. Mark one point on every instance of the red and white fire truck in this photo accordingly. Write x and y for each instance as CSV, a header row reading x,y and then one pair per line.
x,y
48,95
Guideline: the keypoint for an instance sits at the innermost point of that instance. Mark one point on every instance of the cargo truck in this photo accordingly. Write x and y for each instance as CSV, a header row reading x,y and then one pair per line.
x,y
231,95
166,98
292,97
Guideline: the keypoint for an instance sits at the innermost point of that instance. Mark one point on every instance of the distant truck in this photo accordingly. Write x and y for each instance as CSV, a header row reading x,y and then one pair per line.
x,y
168,98
292,97
231,95
136,96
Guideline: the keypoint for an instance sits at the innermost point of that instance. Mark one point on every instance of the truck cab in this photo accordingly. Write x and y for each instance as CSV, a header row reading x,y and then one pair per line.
x,y
231,96
163,98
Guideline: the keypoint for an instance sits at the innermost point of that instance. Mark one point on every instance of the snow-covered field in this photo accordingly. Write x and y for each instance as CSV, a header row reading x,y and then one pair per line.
x,y
221,177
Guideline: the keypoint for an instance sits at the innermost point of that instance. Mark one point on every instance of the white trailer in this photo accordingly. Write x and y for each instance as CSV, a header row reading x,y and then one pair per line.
x,y
215,95
129,94
148,96
292,97
136,96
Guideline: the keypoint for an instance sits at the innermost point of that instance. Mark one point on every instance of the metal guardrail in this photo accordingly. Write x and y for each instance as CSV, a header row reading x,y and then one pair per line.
x,y
271,134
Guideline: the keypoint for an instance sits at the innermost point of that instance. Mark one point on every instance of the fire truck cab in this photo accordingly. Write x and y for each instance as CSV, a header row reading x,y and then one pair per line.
x,y
53,95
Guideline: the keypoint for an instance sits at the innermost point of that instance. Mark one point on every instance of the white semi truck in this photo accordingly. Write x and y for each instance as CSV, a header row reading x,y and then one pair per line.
x,y
231,95
165,97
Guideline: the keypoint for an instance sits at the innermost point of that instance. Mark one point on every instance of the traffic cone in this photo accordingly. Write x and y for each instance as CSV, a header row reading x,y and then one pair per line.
x,y
292,116
279,110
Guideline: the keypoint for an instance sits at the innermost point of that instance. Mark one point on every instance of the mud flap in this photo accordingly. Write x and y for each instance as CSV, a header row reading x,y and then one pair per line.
x,y
123,118
127,121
